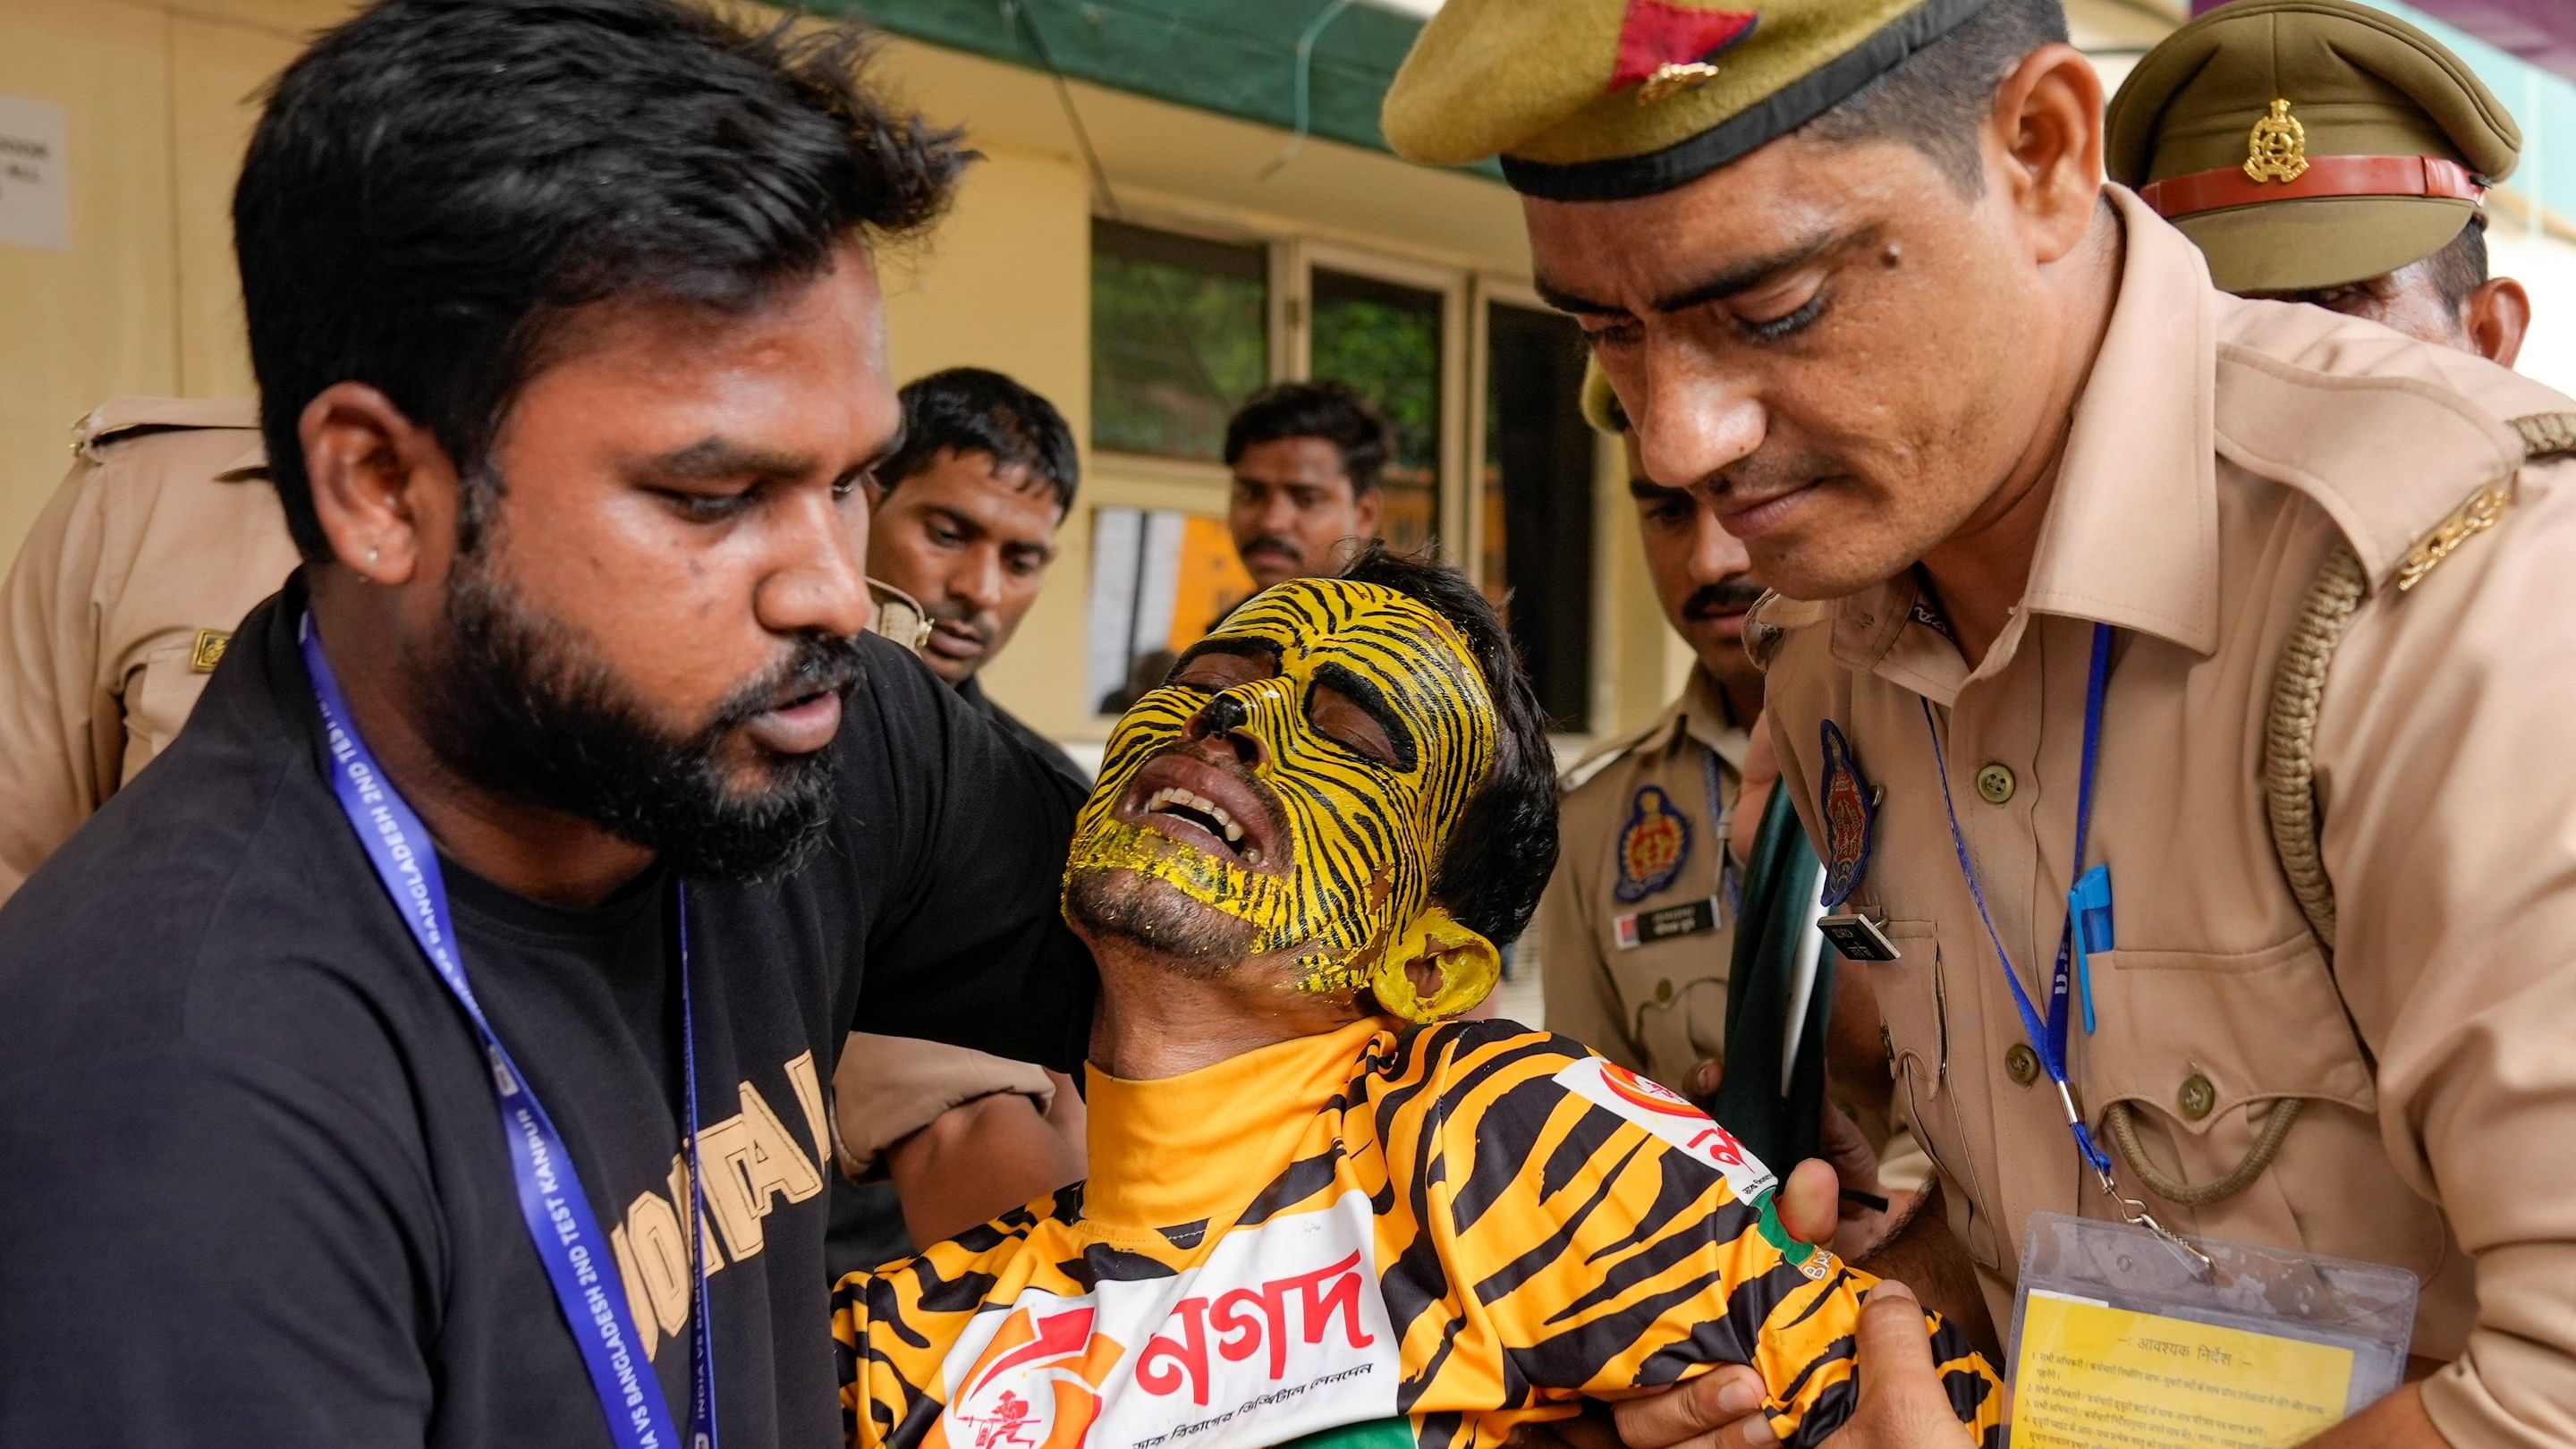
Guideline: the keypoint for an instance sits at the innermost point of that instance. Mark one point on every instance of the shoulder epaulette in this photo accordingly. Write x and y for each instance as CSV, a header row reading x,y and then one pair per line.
x,y
2544,435
1602,756
127,417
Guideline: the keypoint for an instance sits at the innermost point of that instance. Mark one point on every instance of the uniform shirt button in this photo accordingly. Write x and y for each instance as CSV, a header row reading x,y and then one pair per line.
x,y
2197,1097
1995,783
2022,1063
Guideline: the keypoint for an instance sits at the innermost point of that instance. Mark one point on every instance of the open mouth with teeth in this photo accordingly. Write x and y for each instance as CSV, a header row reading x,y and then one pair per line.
x,y
1203,805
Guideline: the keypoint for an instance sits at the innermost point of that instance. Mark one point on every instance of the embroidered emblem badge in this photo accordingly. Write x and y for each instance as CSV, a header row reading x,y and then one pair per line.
x,y
2277,148
1850,819
1653,845
1665,49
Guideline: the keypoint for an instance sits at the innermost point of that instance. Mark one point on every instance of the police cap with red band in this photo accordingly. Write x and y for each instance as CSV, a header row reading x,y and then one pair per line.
x,y
2306,144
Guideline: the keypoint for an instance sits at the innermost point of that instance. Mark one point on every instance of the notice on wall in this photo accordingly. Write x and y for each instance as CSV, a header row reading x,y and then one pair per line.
x,y
35,192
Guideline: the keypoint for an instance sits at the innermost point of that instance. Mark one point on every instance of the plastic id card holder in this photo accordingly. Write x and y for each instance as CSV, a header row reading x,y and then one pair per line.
x,y
2121,1338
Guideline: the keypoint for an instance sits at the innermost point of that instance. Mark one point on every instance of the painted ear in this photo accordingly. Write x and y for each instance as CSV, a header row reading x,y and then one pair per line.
x,y
1434,968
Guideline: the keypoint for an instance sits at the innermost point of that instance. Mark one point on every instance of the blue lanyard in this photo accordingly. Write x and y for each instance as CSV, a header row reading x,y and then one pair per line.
x,y
2048,1036
558,1213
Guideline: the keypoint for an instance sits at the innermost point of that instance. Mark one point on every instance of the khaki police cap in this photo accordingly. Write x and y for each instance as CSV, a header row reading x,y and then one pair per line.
x,y
1601,100
2308,143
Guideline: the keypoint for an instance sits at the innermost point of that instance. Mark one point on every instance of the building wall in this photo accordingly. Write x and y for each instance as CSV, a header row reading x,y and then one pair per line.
x,y
1006,284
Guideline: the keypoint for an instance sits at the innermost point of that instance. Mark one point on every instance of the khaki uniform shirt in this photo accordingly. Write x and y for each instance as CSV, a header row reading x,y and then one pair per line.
x,y
1632,955
2222,447
163,536
886,1088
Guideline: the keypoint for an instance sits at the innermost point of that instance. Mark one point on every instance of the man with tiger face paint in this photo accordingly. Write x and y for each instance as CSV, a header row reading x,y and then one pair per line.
x,y
1279,804
1320,1205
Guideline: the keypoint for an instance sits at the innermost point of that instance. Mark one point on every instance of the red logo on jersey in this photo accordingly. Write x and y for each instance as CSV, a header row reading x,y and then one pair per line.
x,y
1037,1386
1654,1097
1244,1320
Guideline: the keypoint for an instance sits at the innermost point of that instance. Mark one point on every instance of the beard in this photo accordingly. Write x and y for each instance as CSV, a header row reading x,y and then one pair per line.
x,y
1154,914
518,706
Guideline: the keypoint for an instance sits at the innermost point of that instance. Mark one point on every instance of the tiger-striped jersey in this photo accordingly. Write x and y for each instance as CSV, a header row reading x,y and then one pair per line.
x,y
1465,1228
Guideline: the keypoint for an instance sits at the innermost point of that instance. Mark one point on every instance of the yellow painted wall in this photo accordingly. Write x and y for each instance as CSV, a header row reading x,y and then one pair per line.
x,y
1006,284
158,97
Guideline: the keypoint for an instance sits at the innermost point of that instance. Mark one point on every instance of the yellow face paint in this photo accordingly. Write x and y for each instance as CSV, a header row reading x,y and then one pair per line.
x,y
1369,728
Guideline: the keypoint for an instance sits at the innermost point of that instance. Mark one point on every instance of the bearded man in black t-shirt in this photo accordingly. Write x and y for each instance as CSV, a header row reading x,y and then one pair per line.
x,y
428,1049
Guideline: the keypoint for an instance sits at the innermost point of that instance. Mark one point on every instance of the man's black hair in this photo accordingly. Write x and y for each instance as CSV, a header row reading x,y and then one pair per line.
x,y
968,410
1503,846
435,187
1332,411
1936,99
2460,267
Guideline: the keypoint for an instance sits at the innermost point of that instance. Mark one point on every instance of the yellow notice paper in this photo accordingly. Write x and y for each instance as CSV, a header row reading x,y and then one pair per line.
x,y
2091,1375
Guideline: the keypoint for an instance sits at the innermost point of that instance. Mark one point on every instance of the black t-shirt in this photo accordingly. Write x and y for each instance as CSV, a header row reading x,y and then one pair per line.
x,y
253,1187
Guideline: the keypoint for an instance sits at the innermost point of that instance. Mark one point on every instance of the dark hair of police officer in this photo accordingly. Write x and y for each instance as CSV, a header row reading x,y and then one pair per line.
x,y
1332,411
974,411
402,223
2460,267
1937,98
1502,847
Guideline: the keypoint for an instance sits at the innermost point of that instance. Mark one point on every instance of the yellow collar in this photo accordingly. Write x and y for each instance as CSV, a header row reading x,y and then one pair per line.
x,y
1200,1146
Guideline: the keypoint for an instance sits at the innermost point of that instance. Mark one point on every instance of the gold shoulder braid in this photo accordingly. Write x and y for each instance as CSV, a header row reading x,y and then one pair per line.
x,y
2289,768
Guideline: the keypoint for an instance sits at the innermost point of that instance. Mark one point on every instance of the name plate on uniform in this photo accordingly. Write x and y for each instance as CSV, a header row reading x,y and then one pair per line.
x,y
1857,937
1690,918
2121,1338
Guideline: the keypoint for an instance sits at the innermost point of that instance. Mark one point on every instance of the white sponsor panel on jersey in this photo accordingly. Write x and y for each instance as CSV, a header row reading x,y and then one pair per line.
x,y
1671,1117
1281,1332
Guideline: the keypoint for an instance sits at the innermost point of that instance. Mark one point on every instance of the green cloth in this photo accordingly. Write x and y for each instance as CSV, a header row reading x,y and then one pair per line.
x,y
1375,1434
1780,885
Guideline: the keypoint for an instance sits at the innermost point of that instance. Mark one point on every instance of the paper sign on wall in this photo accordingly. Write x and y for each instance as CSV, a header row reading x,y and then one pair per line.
x,y
35,194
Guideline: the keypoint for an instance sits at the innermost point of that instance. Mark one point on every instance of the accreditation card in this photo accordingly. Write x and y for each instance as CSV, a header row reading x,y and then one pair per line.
x,y
2120,1338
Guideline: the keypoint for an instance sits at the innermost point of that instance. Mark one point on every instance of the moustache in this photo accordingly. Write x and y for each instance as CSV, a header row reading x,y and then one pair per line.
x,y
1731,596
818,663
1275,541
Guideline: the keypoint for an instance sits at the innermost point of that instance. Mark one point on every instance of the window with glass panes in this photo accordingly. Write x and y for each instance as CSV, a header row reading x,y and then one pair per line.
x,y
1536,497
1182,333
1384,340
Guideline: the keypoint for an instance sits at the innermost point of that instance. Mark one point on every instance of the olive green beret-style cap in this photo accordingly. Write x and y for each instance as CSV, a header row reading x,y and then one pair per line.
x,y
2308,143
1602,100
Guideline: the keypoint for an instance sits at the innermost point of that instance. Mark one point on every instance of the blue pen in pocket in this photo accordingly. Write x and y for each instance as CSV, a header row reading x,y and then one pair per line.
x,y
2088,919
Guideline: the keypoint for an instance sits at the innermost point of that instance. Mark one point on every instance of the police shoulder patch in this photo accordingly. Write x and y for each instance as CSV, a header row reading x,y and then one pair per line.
x,y
1850,817
1653,845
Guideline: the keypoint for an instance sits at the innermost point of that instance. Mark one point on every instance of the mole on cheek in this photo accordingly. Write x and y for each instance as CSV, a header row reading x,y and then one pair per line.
x,y
1893,257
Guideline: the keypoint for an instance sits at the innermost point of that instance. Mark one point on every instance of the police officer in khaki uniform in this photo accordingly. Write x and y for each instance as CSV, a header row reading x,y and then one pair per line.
x,y
1638,925
122,599
2387,218
2270,599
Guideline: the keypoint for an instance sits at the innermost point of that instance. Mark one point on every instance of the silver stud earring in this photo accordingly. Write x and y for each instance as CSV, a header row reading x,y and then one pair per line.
x,y
371,555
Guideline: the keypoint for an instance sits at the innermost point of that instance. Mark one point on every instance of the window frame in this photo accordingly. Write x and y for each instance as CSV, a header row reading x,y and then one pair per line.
x,y
1122,479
